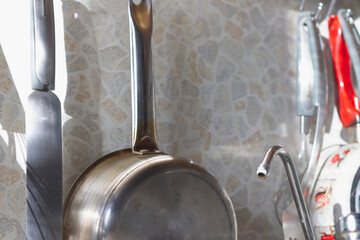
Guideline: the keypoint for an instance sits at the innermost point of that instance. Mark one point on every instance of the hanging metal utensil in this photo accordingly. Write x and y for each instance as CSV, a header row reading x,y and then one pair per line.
x,y
309,77
352,39
312,97
143,193
43,133
320,99
348,102
337,179
305,99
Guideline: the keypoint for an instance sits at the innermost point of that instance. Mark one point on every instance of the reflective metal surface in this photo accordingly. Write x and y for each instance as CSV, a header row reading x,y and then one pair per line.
x,y
312,97
142,84
44,164
305,99
355,193
306,76
43,42
263,171
142,193
134,196
349,227
43,133
320,101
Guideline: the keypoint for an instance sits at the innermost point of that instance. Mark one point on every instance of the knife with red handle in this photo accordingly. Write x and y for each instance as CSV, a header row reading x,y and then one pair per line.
x,y
348,103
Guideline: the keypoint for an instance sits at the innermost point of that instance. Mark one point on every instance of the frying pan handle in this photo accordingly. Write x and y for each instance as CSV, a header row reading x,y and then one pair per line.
x,y
142,85
348,103
352,40
43,45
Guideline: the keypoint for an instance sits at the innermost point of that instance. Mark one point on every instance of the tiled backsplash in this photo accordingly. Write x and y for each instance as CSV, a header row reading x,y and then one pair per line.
x,y
225,73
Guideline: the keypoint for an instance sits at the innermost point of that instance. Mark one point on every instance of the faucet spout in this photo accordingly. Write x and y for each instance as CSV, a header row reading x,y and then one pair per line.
x,y
263,171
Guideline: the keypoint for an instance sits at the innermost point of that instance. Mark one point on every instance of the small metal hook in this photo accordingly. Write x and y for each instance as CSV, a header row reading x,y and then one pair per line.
x,y
349,16
318,11
331,7
302,5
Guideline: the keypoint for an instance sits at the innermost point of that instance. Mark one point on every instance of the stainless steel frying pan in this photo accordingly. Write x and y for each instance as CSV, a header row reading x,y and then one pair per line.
x,y
143,193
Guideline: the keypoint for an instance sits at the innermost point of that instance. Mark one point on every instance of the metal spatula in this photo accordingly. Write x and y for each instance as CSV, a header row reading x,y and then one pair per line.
x,y
43,133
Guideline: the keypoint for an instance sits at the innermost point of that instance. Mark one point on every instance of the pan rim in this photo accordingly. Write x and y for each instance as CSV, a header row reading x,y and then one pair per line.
x,y
144,164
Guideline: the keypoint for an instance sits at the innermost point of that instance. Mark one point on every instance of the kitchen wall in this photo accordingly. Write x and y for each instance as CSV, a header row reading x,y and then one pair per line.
x,y
225,73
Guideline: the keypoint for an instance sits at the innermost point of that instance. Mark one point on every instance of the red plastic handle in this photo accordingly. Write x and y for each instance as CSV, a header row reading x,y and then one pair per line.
x,y
348,103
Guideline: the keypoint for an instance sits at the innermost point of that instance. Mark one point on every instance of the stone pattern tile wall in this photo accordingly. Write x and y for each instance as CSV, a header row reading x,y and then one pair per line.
x,y
225,74
12,177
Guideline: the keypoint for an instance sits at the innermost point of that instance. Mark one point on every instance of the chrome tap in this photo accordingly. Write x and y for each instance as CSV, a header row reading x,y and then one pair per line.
x,y
263,172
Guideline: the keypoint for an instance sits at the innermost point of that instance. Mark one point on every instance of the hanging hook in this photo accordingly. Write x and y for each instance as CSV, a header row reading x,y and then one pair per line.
x,y
331,7
318,11
302,5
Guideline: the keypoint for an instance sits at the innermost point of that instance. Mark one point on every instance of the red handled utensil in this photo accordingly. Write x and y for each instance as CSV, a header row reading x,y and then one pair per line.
x,y
348,103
